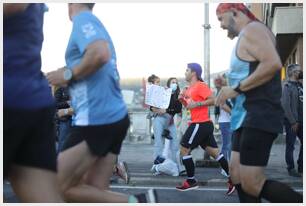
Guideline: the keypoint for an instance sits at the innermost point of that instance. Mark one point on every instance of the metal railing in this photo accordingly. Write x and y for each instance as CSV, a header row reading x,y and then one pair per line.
x,y
140,130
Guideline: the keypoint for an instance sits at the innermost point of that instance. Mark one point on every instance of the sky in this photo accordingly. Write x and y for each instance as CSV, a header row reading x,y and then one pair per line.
x,y
149,38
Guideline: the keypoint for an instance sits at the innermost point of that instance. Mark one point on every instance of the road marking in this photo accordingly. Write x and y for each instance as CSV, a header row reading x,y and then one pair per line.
x,y
172,188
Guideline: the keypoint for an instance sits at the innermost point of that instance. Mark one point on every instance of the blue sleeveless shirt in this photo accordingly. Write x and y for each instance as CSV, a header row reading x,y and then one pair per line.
x,y
239,70
260,107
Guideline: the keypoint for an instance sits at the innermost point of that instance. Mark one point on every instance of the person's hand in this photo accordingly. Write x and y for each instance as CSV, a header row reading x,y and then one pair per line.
x,y
158,110
161,111
56,77
224,94
61,113
295,127
182,94
183,98
154,109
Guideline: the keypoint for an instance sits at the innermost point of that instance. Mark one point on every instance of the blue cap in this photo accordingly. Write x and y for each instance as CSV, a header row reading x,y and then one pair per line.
x,y
196,68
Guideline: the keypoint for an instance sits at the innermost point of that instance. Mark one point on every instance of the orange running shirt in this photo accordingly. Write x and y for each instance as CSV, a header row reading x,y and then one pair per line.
x,y
198,92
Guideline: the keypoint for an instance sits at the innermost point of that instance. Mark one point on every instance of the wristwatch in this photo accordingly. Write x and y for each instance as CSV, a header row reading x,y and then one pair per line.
x,y
237,89
67,74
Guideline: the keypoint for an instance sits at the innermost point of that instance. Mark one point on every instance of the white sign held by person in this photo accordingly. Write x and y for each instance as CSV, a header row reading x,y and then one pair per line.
x,y
158,96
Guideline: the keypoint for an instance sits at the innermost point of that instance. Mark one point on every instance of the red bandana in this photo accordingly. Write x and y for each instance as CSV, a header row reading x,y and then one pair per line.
x,y
224,7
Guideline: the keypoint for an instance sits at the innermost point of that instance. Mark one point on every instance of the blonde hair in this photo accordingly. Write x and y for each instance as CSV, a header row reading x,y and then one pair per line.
x,y
220,80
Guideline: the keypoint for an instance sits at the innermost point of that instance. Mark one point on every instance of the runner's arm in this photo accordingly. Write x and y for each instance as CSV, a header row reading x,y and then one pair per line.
x,y
260,46
97,54
209,101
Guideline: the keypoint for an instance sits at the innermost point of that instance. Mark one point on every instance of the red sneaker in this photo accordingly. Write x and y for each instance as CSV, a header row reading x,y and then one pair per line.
x,y
187,186
231,187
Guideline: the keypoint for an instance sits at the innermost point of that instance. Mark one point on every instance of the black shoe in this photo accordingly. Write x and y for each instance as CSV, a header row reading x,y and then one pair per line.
x,y
159,160
149,197
166,134
168,137
294,173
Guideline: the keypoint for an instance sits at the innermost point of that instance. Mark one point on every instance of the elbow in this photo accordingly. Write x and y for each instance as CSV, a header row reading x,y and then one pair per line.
x,y
100,54
104,54
105,57
100,59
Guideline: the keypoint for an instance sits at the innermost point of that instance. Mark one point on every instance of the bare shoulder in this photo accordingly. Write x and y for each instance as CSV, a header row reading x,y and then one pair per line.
x,y
259,42
256,25
257,32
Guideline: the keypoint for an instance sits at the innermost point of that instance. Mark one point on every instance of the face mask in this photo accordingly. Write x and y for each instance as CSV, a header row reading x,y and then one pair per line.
x,y
173,86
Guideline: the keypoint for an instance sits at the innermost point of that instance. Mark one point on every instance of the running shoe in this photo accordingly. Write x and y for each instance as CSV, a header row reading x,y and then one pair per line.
x,y
187,186
223,173
123,172
166,134
231,187
159,160
149,197
154,170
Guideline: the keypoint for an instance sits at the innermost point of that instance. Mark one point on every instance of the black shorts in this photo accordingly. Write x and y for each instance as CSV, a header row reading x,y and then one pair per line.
x,y
254,145
29,138
101,139
199,134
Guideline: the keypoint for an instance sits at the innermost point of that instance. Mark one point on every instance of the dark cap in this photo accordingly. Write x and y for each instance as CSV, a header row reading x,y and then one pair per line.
x,y
195,67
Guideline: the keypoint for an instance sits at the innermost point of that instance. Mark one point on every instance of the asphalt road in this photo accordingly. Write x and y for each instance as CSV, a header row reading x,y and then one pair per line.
x,y
165,194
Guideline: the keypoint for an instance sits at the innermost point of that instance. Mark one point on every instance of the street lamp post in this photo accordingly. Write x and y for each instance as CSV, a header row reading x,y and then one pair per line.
x,y
206,27
206,45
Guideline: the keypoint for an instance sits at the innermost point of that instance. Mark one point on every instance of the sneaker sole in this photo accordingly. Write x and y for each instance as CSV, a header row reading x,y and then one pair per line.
x,y
127,173
152,196
231,192
191,188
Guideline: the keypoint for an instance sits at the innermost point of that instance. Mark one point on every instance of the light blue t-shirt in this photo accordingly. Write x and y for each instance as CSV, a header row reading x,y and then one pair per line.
x,y
96,99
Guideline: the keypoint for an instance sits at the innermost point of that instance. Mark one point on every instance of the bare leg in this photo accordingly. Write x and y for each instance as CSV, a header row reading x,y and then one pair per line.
x,y
74,163
234,167
214,152
34,184
98,177
252,179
